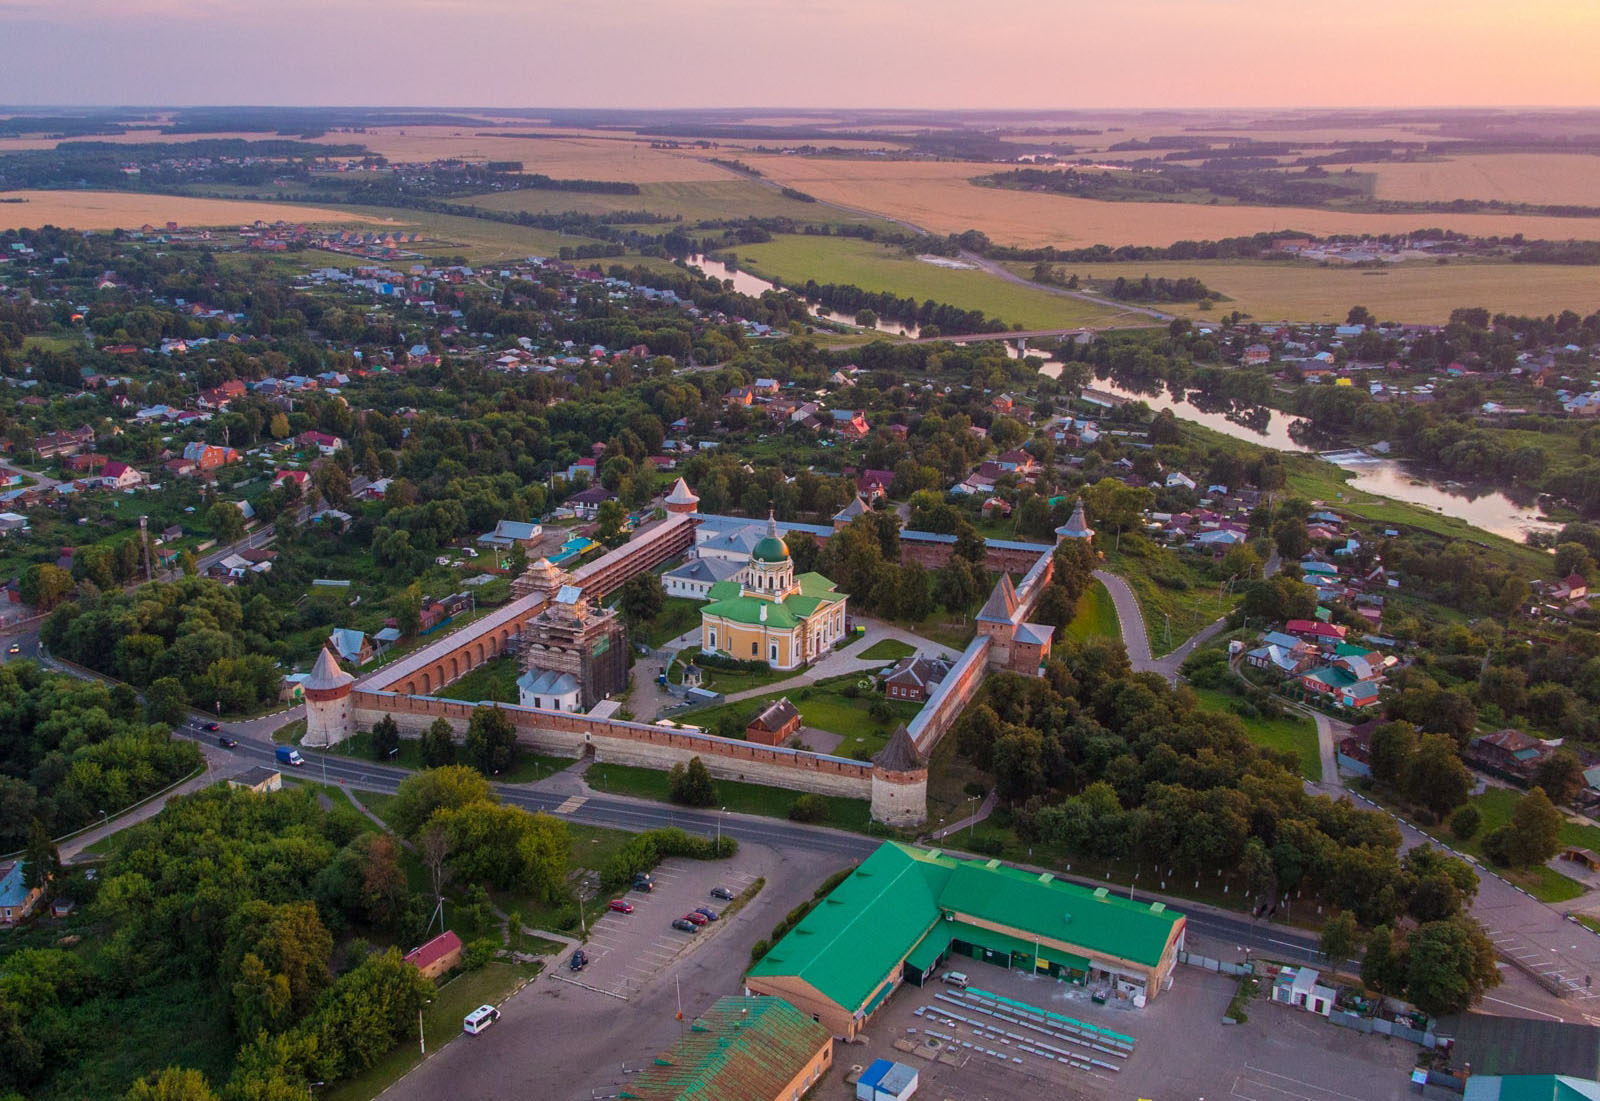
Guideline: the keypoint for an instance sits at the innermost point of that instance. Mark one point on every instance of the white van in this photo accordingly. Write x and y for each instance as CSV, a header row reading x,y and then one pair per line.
x,y
480,1019
955,978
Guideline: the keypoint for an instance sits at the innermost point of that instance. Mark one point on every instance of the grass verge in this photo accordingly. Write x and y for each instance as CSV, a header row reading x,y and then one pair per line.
x,y
441,1023
742,798
1095,616
887,649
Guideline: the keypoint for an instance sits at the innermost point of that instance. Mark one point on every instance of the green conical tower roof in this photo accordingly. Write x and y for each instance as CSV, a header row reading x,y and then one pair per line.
x,y
771,548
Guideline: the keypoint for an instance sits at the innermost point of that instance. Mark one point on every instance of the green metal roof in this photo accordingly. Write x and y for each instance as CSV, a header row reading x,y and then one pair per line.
x,y
729,602
851,940
892,908
770,549
1028,902
738,1049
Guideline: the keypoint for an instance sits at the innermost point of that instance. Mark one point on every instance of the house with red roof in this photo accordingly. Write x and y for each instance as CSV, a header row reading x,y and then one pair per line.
x,y
1315,630
437,956
874,484
324,443
297,478
119,475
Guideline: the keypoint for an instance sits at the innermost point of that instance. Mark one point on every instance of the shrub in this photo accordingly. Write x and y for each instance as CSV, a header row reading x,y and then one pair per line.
x,y
759,949
644,851
975,789
1465,821
477,953
809,807
989,846
691,785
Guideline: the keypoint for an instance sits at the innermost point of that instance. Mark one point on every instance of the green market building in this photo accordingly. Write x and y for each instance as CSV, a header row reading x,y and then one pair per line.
x,y
904,911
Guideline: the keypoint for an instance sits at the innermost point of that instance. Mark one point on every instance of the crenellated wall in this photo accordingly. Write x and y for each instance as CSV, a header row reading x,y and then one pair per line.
x,y
626,743
951,696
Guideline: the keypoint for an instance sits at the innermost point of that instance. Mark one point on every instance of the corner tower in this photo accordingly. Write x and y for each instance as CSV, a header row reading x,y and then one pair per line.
x,y
328,715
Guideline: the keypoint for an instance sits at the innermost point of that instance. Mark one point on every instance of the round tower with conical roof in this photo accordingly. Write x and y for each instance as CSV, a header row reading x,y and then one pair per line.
x,y
900,782
329,718
681,501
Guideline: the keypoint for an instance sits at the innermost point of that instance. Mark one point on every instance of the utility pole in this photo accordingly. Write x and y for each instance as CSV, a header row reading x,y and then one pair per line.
x,y
144,538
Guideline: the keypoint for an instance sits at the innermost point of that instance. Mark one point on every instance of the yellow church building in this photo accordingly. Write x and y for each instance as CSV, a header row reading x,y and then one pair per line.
x,y
766,613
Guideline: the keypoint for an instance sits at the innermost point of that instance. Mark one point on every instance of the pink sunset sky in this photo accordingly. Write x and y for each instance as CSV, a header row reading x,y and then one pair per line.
x,y
823,53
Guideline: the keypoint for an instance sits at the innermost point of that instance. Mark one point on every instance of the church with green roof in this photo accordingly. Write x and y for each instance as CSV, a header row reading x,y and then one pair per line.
x,y
905,911
767,613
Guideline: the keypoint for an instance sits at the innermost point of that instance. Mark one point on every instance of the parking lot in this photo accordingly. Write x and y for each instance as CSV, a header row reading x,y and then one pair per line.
x,y
627,951
1040,1037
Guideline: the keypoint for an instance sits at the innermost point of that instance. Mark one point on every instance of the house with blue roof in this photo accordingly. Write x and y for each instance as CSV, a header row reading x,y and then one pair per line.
x,y
17,899
352,647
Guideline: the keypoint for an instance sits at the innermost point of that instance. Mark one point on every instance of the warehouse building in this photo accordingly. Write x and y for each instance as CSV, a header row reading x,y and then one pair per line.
x,y
741,1049
906,910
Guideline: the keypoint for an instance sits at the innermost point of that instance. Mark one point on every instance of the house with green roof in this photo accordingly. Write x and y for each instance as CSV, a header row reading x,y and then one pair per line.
x,y
906,910
767,613
741,1049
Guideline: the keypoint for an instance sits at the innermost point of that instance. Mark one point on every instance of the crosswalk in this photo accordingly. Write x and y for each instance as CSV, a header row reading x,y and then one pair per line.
x,y
572,803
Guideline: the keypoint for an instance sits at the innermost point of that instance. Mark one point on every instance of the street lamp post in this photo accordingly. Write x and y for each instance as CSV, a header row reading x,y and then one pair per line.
x,y
720,813
971,816
422,1043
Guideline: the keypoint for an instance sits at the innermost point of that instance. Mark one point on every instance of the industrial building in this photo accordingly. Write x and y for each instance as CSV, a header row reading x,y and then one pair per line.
x,y
741,1049
906,910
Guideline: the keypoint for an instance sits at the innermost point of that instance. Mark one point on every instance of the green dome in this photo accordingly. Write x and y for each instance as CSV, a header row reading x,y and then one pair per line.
x,y
770,549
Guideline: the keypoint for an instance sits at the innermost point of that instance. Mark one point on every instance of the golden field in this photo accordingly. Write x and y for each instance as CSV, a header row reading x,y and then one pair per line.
x,y
1420,293
1572,178
129,210
938,198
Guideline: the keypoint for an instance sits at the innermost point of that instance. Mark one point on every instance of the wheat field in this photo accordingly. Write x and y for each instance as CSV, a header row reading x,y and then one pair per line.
x,y
1418,293
938,197
1511,177
130,210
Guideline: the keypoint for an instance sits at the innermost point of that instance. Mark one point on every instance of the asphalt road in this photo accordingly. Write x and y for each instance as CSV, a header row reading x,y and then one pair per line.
x,y
782,836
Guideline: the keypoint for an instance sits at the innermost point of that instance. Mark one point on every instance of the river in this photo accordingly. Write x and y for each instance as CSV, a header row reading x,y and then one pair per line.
x,y
1485,508
755,287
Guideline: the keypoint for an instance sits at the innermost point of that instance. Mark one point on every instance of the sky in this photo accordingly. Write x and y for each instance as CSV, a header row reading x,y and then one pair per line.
x,y
1044,54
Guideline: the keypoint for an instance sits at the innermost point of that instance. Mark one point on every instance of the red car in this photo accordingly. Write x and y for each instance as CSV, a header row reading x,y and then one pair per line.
x,y
694,918
621,906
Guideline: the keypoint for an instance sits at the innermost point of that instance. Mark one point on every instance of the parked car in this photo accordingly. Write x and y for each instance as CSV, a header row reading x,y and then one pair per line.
x,y
707,912
580,960
686,925
14,648
644,883
480,1019
696,917
227,743
620,906
722,893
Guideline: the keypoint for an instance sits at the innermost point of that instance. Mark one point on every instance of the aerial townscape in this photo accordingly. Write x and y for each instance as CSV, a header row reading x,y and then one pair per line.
x,y
1077,594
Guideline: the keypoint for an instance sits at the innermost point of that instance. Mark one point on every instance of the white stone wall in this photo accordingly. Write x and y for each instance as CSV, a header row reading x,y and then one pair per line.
x,y
328,722
899,804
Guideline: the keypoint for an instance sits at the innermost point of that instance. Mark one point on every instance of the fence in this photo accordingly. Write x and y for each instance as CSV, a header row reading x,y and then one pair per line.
x,y
1381,1027
1219,967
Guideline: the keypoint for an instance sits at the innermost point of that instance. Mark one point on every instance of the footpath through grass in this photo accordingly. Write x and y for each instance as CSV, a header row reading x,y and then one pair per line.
x,y
1175,593
824,706
741,798
1293,733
